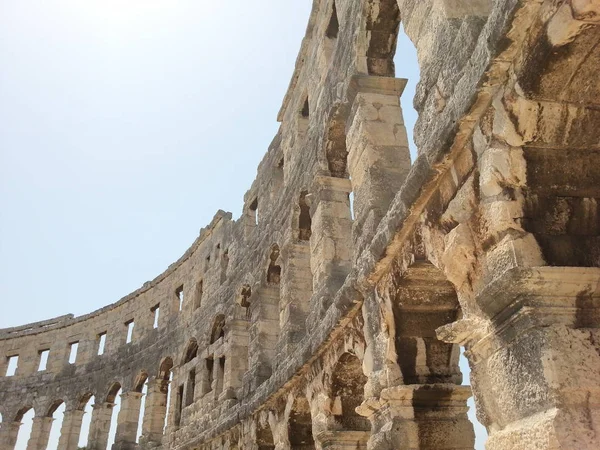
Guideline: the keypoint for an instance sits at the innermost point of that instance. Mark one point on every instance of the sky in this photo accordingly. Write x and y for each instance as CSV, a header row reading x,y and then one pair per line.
x,y
124,127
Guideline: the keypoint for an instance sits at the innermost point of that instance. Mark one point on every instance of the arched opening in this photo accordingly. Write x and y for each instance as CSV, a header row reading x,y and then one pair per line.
x,y
383,28
162,405
274,269
86,404
114,397
191,351
347,393
57,412
300,426
304,219
264,437
25,418
423,301
141,386
218,329
336,151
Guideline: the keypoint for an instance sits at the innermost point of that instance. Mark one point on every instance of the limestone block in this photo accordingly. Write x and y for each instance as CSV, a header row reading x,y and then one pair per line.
x,y
459,255
500,168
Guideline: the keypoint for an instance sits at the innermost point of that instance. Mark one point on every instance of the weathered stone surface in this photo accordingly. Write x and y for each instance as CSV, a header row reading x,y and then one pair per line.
x,y
305,324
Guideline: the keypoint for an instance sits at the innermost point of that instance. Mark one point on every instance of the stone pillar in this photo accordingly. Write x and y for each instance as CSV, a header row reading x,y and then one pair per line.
x,y
535,363
155,411
296,291
40,433
416,417
330,241
378,155
343,440
127,421
264,332
237,362
71,428
9,431
100,426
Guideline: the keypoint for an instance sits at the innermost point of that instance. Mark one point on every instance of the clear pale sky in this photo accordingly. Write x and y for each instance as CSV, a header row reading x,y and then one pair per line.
x,y
124,126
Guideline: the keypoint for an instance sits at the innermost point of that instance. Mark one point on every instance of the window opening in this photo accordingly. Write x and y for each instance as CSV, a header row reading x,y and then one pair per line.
x,y
305,111
129,326
43,359
114,397
156,311
179,405
25,417
334,25
13,363
74,346
254,210
191,387
210,365
224,265
101,343
199,290
304,220
221,374
179,294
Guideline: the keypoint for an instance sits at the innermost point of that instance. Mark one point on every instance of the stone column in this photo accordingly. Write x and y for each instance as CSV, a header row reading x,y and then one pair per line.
x,y
155,410
127,421
330,241
415,417
9,431
378,155
40,433
100,426
71,428
535,364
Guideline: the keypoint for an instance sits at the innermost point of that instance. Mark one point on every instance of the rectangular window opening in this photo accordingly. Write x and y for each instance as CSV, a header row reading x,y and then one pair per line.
x,y
74,346
199,290
156,311
129,326
43,359
179,295
101,343
13,362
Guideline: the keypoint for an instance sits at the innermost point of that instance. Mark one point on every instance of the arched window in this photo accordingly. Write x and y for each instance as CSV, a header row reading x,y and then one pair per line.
x,y
191,351
218,329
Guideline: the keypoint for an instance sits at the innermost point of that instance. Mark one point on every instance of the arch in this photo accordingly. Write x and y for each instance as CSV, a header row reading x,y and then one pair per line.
x,y
53,407
191,351
218,329
164,370
300,425
57,412
114,389
274,269
425,300
382,27
24,417
85,404
347,392
140,381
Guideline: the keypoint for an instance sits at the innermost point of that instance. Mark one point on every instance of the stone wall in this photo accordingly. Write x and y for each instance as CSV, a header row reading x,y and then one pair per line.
x,y
304,324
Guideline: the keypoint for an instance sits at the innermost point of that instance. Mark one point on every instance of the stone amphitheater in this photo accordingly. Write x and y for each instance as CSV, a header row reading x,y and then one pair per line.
x,y
317,322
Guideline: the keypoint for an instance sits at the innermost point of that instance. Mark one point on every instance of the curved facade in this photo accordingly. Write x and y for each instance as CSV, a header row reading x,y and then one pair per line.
x,y
311,322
